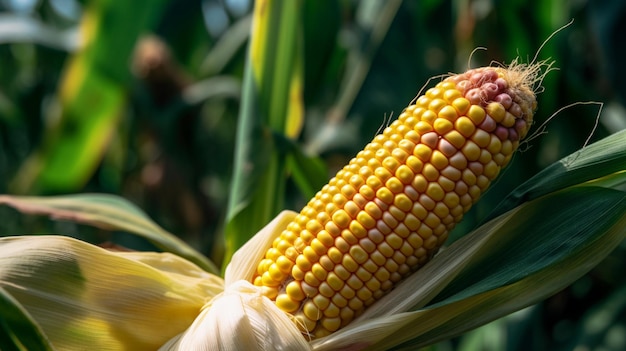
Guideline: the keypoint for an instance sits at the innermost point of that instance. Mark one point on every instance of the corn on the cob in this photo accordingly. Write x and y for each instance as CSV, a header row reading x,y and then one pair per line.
x,y
389,210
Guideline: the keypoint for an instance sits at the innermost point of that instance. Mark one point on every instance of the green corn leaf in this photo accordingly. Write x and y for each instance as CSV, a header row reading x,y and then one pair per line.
x,y
18,331
540,235
108,212
595,161
92,95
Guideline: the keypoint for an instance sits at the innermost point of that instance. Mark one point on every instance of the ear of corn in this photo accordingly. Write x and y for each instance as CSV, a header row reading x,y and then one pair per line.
x,y
388,211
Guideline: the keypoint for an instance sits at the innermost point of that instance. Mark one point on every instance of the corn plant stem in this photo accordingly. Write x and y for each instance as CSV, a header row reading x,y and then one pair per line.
x,y
279,65
259,169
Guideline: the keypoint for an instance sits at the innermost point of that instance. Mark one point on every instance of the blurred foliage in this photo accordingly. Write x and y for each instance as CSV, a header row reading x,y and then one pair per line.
x,y
153,114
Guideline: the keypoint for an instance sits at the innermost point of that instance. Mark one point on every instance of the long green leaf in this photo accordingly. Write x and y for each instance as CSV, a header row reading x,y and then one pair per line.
x,y
595,161
108,212
544,233
18,331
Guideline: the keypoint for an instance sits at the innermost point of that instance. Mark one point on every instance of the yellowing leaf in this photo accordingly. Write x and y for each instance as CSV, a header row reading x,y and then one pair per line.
x,y
108,212
85,297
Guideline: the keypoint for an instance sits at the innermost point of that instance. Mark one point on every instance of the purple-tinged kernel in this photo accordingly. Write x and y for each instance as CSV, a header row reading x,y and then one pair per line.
x,y
430,139
521,126
490,75
476,96
502,133
478,78
491,90
463,86
460,188
447,148
502,84
488,125
476,167
516,110
504,99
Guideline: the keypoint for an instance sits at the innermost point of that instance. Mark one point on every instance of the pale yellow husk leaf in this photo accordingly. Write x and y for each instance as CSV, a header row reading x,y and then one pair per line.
x,y
242,318
88,298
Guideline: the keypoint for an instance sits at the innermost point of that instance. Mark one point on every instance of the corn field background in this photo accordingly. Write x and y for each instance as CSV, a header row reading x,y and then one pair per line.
x,y
142,99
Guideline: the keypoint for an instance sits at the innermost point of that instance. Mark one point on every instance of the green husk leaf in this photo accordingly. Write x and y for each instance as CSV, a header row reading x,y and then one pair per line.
x,y
109,212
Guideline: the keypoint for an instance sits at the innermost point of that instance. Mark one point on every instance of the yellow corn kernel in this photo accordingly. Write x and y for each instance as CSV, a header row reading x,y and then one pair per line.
x,y
476,114
442,126
496,111
448,112
461,105
455,138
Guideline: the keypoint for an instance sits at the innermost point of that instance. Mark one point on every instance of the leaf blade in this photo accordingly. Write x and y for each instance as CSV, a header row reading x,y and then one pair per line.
x,y
108,212
595,161
86,297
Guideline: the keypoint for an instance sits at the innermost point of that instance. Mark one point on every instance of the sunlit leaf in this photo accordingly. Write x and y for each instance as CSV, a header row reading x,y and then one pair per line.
x,y
85,297
108,212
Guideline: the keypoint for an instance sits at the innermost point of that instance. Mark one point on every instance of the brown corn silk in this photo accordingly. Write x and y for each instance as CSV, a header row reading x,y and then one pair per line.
x,y
387,212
